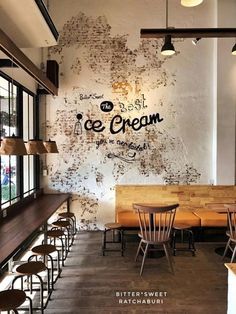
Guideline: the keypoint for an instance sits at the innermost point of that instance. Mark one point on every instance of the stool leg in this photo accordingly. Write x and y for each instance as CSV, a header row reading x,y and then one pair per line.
x,y
192,246
174,243
122,242
113,235
30,305
104,241
182,235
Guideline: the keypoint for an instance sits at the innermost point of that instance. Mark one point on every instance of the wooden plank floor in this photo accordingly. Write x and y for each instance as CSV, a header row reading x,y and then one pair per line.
x,y
90,282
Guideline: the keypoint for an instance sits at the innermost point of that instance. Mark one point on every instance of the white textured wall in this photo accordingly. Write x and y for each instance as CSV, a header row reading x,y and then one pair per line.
x,y
226,82
101,55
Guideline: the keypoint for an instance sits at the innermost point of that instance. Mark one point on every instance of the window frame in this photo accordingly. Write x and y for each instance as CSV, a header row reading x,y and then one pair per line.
x,y
21,195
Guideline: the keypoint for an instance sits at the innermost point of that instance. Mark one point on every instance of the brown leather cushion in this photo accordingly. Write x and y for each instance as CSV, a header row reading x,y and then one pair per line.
x,y
129,218
211,218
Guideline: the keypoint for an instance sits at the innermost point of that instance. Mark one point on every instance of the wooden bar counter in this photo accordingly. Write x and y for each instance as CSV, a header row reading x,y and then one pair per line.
x,y
19,226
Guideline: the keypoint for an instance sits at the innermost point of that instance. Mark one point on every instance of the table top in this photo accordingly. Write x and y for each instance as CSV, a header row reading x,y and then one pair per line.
x,y
231,267
16,230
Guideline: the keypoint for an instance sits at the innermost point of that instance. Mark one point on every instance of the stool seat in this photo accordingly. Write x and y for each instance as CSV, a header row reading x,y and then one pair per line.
x,y
61,223
66,215
113,225
44,249
181,226
11,299
30,268
68,225
71,217
55,233
183,229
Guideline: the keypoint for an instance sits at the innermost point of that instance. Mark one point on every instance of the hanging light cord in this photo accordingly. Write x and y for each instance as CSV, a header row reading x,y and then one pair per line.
x,y
166,13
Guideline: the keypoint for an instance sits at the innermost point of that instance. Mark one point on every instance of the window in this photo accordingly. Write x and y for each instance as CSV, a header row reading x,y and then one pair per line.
x,y
28,133
17,116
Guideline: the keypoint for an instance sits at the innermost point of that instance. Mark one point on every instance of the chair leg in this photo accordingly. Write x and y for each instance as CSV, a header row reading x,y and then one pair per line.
x,y
144,257
226,248
168,256
138,250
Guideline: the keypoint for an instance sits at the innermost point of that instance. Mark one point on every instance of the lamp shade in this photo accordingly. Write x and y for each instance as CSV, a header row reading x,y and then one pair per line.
x,y
34,147
191,3
168,48
234,50
12,145
51,146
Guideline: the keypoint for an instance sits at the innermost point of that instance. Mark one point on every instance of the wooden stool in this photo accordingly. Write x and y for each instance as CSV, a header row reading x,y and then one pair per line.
x,y
183,228
45,250
55,235
113,227
67,226
70,216
11,299
31,269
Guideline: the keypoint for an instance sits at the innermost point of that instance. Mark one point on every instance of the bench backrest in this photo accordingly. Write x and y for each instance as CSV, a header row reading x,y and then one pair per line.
x,y
189,197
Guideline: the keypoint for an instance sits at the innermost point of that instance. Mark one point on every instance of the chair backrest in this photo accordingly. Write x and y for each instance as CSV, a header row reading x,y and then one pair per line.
x,y
232,222
156,221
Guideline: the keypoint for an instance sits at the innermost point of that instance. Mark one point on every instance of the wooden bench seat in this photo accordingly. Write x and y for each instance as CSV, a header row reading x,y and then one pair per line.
x,y
211,219
129,219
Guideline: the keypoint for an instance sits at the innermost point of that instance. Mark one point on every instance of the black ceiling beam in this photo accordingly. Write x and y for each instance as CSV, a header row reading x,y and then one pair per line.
x,y
188,32
7,63
47,18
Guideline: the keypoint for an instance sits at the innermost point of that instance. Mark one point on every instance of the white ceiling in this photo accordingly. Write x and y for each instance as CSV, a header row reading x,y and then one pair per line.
x,y
23,22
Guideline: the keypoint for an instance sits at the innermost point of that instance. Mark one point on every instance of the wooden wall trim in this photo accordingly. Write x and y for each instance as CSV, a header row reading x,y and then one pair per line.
x,y
19,58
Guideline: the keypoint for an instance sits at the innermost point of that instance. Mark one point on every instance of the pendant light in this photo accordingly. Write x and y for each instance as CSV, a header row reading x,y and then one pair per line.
x,y
168,48
12,145
234,50
51,146
35,146
191,3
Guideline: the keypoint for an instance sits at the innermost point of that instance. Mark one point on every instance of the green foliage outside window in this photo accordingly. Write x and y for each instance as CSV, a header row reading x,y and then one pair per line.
x,y
4,117
6,190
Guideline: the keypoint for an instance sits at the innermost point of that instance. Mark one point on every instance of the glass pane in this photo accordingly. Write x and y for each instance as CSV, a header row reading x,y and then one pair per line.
x,y
28,133
25,117
31,115
4,109
8,177
8,126
31,166
13,111
26,173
